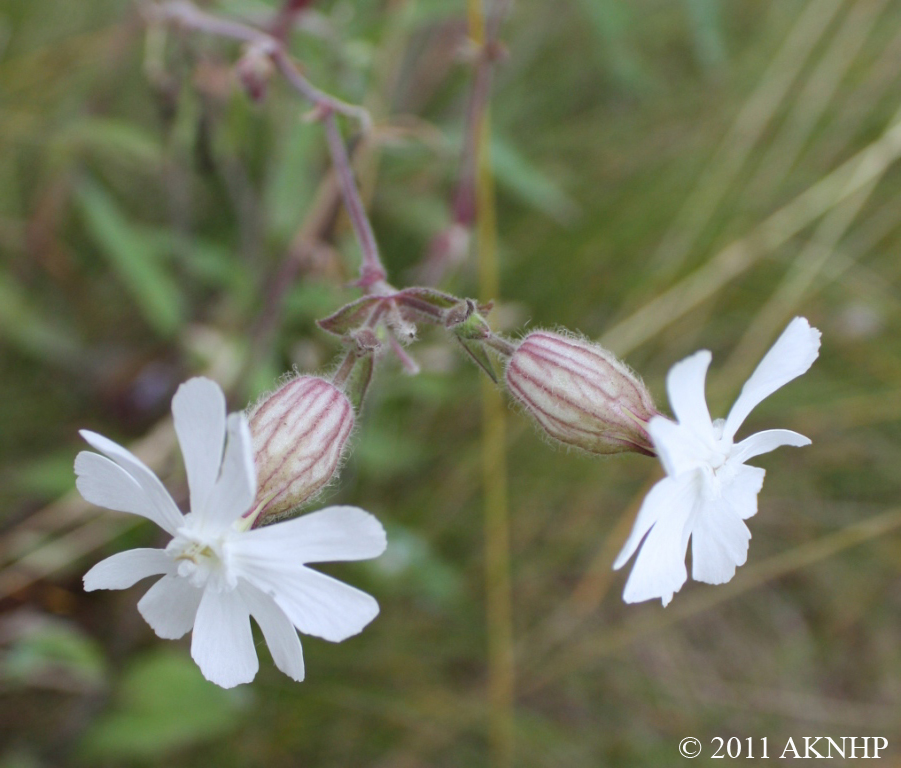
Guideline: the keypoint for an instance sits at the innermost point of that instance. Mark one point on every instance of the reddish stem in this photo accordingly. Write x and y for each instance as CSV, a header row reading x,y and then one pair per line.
x,y
284,20
189,16
463,208
372,272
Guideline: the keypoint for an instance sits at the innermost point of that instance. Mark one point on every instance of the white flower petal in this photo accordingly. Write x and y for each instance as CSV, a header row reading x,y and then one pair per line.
x,y
329,535
719,543
655,504
741,492
234,491
222,642
766,441
102,482
170,605
685,387
198,411
680,448
157,504
127,568
791,355
659,569
315,603
279,632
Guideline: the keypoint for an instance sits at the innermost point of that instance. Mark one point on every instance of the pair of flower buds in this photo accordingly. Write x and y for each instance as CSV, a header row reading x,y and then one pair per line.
x,y
577,392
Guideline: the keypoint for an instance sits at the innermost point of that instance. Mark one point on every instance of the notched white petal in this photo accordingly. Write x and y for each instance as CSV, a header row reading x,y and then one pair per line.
x,y
125,569
198,412
654,506
278,631
685,387
102,482
315,603
222,641
169,606
659,570
234,491
766,441
792,355
719,544
741,493
166,514
332,534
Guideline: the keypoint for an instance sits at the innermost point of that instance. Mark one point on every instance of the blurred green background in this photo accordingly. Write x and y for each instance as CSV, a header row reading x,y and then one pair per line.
x,y
670,175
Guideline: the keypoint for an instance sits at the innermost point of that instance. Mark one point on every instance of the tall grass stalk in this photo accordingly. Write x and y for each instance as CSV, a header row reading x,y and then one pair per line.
x,y
494,464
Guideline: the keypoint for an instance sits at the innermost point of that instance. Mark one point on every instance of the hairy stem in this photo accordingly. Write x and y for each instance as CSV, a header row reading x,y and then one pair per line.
x,y
500,345
344,369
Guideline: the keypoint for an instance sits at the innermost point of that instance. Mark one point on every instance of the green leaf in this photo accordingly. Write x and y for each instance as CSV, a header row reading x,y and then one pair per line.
x,y
47,476
411,566
311,299
425,304
211,263
384,450
54,648
134,255
707,32
610,21
163,704
27,326
528,182
116,139
288,190
519,176
350,316
476,351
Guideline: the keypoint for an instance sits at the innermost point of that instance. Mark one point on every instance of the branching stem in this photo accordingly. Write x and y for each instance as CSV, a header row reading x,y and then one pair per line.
x,y
188,15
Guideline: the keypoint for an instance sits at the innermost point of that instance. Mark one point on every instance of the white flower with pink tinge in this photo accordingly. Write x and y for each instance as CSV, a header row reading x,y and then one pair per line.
x,y
708,492
216,571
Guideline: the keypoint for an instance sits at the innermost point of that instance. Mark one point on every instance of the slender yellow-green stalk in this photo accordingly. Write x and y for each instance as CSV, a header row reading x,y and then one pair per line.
x,y
497,535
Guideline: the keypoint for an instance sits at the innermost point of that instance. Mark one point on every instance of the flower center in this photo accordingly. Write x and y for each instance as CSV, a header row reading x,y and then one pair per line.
x,y
716,470
202,559
722,447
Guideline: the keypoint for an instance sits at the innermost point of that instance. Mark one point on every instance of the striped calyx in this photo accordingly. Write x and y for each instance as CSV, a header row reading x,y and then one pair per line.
x,y
580,394
299,433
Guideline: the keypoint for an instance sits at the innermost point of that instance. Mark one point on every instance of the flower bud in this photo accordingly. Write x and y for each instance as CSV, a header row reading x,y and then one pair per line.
x,y
254,70
299,433
580,394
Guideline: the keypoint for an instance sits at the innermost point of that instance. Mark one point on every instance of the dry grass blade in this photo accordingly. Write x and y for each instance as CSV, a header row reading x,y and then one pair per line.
x,y
651,620
815,97
736,258
783,303
746,131
56,537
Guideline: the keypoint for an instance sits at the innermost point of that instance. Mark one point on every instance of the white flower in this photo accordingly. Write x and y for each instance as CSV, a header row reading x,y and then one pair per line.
x,y
216,572
708,492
